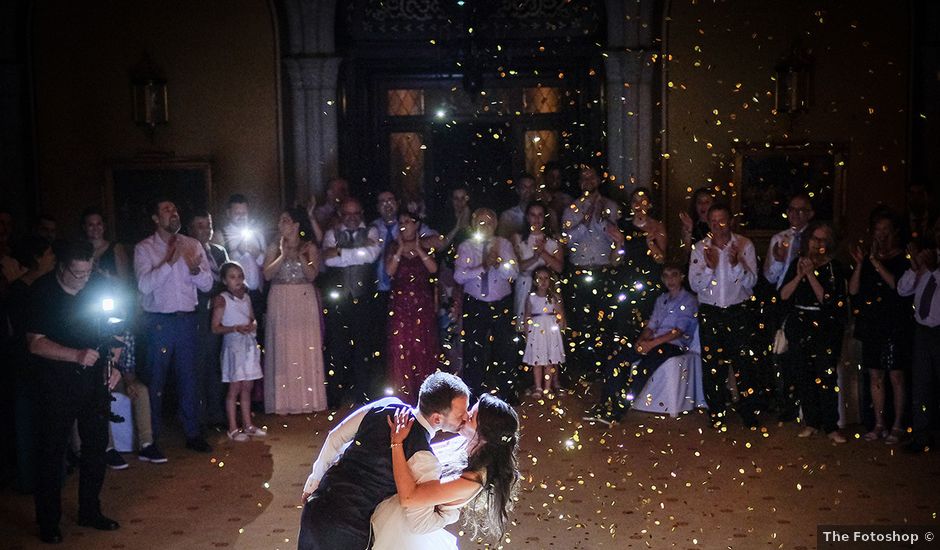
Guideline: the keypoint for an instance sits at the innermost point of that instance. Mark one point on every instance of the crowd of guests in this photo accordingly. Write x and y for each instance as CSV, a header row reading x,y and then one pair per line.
x,y
329,310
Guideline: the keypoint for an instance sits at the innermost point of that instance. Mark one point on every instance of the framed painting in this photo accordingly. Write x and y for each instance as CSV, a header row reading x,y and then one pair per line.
x,y
132,184
765,177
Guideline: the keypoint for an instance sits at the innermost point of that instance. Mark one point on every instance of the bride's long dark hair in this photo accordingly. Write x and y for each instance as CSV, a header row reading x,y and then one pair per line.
x,y
495,460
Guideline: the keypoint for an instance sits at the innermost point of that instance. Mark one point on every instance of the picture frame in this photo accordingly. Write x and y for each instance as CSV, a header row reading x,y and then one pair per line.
x,y
765,177
131,185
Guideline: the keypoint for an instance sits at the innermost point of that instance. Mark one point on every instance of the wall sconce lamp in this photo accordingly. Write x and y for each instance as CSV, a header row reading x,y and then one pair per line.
x,y
794,82
148,87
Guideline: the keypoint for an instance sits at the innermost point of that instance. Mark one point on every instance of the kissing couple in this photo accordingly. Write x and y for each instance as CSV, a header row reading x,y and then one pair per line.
x,y
379,482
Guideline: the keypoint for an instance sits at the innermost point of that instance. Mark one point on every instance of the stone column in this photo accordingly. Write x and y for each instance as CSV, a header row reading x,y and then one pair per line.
x,y
629,90
311,122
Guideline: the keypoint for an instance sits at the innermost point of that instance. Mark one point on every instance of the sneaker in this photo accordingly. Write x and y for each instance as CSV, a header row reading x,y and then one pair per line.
x,y
198,444
238,435
255,431
152,454
114,460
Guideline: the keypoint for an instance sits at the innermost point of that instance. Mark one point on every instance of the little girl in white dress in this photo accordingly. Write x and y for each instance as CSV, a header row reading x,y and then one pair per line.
x,y
544,323
233,317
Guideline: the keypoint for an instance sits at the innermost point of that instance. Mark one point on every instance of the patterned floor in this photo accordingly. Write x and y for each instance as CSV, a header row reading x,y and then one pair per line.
x,y
651,482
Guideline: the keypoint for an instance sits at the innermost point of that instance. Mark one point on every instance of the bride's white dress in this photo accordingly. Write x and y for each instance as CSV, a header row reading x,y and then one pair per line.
x,y
392,529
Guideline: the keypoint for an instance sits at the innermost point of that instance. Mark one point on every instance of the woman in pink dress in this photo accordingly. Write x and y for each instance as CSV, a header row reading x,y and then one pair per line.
x,y
413,351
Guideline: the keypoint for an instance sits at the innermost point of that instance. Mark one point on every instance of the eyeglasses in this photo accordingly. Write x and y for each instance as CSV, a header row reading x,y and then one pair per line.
x,y
80,274
799,210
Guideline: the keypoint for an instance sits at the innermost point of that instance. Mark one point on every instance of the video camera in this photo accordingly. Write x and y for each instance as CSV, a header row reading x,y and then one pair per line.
x,y
110,328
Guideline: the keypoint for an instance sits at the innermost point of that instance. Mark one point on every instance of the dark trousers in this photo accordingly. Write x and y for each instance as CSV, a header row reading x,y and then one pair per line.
x,y
320,530
589,293
67,394
814,344
172,343
784,379
350,346
624,380
209,390
925,379
727,339
488,335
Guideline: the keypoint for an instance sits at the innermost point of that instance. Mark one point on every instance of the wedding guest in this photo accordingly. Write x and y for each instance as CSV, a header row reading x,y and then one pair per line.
x,y
815,291
170,269
459,220
412,349
110,257
918,216
10,270
883,322
695,221
350,250
46,227
641,250
668,333
554,184
512,221
783,250
722,273
211,392
293,367
244,240
35,254
785,246
450,314
535,247
921,282
590,250
485,267
543,321
112,270
327,213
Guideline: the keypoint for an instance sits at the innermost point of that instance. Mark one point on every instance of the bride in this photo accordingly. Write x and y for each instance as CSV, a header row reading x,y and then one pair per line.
x,y
483,480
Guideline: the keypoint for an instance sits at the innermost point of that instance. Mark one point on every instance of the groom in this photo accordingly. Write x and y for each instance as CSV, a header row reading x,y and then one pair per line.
x,y
353,473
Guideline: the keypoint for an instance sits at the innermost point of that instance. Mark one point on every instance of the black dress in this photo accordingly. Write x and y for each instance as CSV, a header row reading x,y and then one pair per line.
x,y
883,319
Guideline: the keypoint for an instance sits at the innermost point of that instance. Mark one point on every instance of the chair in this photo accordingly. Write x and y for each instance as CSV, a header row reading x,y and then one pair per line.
x,y
122,432
676,386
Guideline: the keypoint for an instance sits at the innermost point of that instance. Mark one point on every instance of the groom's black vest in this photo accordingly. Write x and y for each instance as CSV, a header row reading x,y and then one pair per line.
x,y
342,505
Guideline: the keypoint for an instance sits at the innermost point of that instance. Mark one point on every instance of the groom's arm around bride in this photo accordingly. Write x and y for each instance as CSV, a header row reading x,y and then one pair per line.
x,y
353,472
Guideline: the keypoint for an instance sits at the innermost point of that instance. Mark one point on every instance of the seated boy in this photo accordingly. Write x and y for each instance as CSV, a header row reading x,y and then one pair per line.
x,y
667,334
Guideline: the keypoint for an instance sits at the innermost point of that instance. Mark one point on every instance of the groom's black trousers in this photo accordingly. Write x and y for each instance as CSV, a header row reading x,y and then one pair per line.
x,y
321,530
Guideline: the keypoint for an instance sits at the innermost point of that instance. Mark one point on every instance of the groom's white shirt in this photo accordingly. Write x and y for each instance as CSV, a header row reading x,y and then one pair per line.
x,y
424,465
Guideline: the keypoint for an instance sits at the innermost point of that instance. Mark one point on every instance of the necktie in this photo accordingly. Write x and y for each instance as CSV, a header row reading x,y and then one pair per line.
x,y
485,281
388,233
795,244
926,299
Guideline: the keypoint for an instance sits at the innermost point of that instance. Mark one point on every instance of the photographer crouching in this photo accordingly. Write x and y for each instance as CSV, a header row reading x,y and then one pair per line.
x,y
70,352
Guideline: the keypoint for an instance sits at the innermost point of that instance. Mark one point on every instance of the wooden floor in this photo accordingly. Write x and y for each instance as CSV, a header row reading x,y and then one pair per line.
x,y
650,482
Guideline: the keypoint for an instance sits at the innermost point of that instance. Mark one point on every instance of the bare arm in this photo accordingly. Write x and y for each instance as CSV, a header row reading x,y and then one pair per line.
x,y
410,493
272,262
218,309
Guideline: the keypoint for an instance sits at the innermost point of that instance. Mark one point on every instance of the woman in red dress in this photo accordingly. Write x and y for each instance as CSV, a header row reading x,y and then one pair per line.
x,y
413,351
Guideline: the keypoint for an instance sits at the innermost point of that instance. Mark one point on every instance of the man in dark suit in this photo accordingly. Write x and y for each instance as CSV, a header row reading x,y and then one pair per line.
x,y
339,499
209,377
